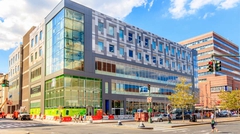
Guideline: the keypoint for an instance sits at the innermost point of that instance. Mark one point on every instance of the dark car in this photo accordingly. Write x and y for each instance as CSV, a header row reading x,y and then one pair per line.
x,y
186,116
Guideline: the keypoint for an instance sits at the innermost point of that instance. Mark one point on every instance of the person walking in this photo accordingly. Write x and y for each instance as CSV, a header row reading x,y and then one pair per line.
x,y
60,118
74,118
81,118
213,122
77,118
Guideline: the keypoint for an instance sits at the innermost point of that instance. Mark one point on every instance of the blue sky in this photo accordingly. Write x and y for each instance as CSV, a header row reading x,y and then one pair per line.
x,y
175,20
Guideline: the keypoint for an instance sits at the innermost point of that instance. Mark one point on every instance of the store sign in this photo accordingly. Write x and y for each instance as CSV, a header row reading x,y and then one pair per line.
x,y
221,88
35,90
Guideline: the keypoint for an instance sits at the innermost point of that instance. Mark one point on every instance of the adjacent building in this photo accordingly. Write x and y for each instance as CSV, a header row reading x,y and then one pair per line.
x,y
211,83
3,93
80,60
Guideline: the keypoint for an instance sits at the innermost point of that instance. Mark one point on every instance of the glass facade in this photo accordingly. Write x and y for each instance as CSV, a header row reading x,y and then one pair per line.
x,y
65,42
112,68
72,91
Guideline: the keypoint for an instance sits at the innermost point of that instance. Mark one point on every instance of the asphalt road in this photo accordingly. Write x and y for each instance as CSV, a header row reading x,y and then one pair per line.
x,y
9,126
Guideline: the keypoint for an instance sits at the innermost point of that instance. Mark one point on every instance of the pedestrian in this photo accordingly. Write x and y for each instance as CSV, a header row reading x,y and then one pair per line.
x,y
213,122
40,114
169,118
77,118
60,118
81,118
74,118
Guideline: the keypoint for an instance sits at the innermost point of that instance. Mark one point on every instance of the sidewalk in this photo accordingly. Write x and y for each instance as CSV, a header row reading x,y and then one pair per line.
x,y
175,123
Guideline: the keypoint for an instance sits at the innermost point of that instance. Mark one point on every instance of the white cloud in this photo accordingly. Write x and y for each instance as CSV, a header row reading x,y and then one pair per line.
x,y
182,8
208,15
150,5
19,15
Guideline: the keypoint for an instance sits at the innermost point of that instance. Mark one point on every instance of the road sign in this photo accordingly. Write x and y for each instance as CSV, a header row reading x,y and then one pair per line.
x,y
149,99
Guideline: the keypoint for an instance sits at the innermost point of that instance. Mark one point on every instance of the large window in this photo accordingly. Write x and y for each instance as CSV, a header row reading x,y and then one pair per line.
x,y
147,57
40,35
65,41
72,91
130,53
121,34
121,51
146,42
36,39
32,43
161,61
111,30
160,48
154,59
100,45
139,55
111,48
100,26
130,37
153,45
40,51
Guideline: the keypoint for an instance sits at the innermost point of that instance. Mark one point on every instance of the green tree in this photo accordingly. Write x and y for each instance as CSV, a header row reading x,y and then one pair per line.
x,y
182,97
230,100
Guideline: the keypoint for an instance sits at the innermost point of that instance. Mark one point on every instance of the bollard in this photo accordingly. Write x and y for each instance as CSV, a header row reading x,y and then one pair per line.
x,y
119,122
141,124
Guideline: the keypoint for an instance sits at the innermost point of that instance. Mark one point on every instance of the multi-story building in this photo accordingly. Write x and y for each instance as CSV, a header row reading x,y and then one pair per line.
x,y
36,69
211,83
25,69
15,78
3,92
94,61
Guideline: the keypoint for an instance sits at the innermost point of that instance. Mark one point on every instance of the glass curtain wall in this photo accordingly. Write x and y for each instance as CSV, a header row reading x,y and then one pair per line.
x,y
65,41
73,92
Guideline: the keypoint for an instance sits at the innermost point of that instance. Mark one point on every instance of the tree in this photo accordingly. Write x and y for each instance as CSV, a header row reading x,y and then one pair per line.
x,y
230,100
182,97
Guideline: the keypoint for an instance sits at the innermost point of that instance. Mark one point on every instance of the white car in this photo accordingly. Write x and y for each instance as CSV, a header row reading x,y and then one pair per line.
x,y
160,118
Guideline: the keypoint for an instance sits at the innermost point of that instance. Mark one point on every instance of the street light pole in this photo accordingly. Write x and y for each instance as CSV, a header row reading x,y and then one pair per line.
x,y
149,110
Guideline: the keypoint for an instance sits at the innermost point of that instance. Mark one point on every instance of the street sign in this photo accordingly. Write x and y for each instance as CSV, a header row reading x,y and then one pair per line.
x,y
149,99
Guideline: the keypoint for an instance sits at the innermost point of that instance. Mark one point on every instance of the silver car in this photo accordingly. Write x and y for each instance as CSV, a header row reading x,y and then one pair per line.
x,y
160,118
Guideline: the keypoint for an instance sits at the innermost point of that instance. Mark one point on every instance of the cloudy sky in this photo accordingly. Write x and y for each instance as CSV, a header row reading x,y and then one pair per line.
x,y
173,19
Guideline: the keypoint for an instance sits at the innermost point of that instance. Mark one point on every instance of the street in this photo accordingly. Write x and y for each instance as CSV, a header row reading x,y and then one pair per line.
x,y
9,126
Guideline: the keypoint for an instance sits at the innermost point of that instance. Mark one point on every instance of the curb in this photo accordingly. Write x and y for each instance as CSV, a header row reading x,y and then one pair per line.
x,y
200,124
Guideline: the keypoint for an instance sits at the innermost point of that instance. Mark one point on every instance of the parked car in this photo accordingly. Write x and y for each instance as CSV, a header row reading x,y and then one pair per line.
x,y
225,114
159,118
186,116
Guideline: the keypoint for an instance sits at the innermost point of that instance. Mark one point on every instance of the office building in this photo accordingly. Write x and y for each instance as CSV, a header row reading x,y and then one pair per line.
x,y
211,83
93,61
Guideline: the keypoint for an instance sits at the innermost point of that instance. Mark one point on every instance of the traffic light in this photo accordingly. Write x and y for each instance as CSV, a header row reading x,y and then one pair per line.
x,y
5,83
149,87
210,66
218,66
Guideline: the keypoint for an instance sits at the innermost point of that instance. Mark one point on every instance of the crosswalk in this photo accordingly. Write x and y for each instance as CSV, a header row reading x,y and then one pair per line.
x,y
172,130
7,125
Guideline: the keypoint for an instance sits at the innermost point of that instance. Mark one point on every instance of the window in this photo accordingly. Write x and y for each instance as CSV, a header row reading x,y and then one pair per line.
x,y
100,26
154,59
100,46
173,64
183,54
32,43
184,67
31,57
139,55
40,51
153,45
130,54
146,42
167,63
167,49
160,47
111,48
173,51
139,39
161,61
111,30
178,53
36,39
35,55
130,37
40,36
121,51
147,57
179,66
121,34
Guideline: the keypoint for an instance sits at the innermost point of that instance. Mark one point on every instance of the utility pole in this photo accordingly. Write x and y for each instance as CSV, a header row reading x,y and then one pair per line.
x,y
149,101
